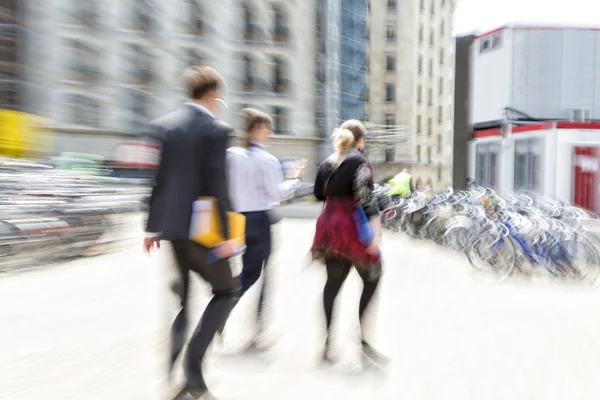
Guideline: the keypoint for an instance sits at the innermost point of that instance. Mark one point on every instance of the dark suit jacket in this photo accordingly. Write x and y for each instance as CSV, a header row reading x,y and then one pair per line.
x,y
192,165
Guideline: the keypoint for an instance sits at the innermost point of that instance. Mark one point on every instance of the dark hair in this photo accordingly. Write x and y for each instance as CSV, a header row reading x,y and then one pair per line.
x,y
253,118
356,127
200,80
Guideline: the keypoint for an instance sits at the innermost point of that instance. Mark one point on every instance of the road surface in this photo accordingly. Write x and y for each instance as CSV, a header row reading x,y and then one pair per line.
x,y
97,329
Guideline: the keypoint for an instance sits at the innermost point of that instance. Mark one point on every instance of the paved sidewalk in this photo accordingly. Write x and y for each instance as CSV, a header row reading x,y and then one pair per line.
x,y
97,328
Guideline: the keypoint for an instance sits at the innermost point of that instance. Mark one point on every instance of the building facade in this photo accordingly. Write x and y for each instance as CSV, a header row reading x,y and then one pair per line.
x,y
105,69
353,59
537,71
410,87
534,94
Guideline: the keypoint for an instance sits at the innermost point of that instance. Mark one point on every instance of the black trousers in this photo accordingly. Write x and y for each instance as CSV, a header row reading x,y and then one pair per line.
x,y
256,256
190,256
337,272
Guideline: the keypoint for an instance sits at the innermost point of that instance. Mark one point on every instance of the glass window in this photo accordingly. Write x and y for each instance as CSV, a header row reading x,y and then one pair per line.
x,y
390,121
391,32
441,85
390,92
419,94
390,63
420,65
528,168
429,154
418,153
487,165
429,127
392,4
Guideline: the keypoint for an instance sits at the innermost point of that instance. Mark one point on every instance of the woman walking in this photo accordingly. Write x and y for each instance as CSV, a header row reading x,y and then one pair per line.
x,y
345,182
256,184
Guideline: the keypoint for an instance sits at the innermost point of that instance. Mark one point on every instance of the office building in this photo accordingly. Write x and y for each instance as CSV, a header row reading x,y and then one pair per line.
x,y
410,88
105,69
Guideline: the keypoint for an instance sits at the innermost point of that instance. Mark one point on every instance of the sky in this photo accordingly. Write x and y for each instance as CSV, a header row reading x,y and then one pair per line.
x,y
483,15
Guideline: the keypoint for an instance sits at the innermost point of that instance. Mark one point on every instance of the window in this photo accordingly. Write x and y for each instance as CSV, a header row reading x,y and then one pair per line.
x,y
142,15
431,39
392,4
419,94
439,170
431,67
528,165
442,28
429,127
442,56
280,31
418,153
439,143
487,163
422,6
420,65
391,32
390,92
421,34
485,45
432,11
279,82
390,63
248,74
430,97
440,115
419,124
390,121
497,40
429,154
196,25
280,125
248,22
441,85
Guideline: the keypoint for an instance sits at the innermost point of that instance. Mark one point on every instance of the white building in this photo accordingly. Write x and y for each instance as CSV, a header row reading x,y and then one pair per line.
x,y
410,82
534,92
544,72
103,70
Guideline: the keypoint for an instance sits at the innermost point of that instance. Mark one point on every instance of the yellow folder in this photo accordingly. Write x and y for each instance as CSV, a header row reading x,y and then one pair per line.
x,y
205,228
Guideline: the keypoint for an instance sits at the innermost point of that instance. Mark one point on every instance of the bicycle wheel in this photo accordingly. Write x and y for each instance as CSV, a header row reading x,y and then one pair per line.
x,y
492,257
457,238
575,259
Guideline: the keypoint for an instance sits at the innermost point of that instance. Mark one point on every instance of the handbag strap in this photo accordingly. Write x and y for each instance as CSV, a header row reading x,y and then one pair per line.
x,y
333,171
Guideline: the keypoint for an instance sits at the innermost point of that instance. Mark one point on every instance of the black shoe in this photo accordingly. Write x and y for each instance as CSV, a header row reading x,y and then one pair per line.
x,y
194,393
373,356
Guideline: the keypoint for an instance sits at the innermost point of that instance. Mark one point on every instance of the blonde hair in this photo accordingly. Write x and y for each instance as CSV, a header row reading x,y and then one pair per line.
x,y
343,140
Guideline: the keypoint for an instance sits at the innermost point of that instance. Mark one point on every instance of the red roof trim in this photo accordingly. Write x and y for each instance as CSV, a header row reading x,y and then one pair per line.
x,y
487,133
488,33
577,125
533,127
538,27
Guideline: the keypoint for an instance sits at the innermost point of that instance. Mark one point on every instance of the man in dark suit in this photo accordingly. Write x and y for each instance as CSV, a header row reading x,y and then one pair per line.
x,y
192,165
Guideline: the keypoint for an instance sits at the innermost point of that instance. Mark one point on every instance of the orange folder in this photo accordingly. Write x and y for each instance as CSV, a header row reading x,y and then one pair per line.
x,y
205,228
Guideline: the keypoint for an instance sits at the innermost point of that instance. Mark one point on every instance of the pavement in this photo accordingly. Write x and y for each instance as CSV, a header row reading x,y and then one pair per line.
x,y
97,328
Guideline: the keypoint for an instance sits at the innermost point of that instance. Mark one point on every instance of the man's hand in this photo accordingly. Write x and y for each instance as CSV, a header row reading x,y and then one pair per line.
x,y
151,244
226,249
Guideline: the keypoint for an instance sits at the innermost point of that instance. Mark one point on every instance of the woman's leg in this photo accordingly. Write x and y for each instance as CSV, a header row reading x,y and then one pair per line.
x,y
370,278
337,272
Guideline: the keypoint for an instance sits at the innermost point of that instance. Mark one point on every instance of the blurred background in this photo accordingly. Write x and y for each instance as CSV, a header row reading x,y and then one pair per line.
x,y
488,104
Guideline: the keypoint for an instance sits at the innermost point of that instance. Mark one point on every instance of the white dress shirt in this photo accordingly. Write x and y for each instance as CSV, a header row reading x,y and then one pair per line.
x,y
255,179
